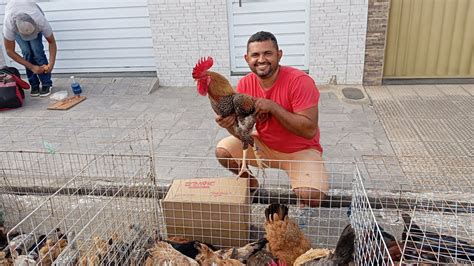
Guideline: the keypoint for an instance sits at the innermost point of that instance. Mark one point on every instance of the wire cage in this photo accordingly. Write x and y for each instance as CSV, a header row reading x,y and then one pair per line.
x,y
39,155
115,207
79,199
113,198
322,225
98,185
346,203
424,217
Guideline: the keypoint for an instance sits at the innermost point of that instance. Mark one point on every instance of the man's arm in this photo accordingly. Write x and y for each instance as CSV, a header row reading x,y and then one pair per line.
x,y
52,52
303,123
10,48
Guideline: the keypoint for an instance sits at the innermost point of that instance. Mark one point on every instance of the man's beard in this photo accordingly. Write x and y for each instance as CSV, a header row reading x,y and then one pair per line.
x,y
265,74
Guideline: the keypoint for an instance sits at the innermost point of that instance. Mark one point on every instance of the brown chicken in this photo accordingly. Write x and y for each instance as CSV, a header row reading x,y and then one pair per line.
x,y
163,253
225,101
207,257
285,239
342,255
51,251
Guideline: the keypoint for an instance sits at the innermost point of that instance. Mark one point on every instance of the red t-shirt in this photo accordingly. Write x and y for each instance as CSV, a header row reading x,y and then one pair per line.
x,y
295,91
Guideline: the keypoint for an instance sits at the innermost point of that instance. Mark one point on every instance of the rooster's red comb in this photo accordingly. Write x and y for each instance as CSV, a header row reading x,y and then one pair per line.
x,y
202,65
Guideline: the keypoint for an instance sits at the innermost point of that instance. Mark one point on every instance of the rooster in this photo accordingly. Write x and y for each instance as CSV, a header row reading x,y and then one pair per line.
x,y
225,101
285,239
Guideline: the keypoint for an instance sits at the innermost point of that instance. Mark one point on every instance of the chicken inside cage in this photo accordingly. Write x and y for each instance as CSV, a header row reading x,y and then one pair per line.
x,y
108,209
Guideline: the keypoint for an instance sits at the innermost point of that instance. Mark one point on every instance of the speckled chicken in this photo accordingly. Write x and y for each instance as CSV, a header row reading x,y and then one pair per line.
x,y
225,101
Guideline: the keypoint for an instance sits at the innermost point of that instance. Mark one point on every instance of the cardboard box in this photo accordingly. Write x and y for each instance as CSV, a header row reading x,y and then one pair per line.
x,y
211,210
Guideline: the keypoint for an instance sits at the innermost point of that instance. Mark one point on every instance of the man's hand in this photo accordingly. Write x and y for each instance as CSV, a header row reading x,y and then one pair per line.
x,y
37,69
264,106
225,122
46,68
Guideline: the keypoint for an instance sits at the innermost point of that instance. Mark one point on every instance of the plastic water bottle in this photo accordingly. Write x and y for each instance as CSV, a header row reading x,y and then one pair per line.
x,y
76,88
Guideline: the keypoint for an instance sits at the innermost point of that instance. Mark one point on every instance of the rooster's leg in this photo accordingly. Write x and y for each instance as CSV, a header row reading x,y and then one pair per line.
x,y
244,168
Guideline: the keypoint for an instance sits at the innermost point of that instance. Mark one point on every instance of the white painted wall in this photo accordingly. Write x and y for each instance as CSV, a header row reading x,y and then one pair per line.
x,y
337,36
184,30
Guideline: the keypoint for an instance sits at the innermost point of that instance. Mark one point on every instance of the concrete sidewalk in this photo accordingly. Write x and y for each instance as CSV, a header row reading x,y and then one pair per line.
x,y
420,129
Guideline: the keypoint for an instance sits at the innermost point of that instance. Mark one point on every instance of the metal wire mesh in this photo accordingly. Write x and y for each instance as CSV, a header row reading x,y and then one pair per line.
x,y
99,182
435,232
322,225
371,247
67,134
96,198
431,221
111,198
39,155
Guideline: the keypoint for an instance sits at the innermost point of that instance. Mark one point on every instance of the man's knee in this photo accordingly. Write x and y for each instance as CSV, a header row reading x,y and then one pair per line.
x,y
310,196
224,157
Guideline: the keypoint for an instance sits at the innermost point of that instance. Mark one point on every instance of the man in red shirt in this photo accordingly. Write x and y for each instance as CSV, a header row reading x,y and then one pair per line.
x,y
287,121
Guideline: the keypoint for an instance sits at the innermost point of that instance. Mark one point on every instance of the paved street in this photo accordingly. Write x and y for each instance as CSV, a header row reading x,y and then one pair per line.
x,y
398,133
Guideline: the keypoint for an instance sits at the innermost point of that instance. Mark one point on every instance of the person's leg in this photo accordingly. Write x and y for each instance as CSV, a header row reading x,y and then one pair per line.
x,y
308,176
40,58
27,53
228,152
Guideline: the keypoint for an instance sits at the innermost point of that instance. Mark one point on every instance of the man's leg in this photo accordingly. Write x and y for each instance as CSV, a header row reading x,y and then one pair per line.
x,y
227,152
40,58
308,177
28,55
309,196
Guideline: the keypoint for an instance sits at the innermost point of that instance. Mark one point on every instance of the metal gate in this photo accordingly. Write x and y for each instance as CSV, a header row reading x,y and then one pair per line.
x,y
98,36
289,21
430,39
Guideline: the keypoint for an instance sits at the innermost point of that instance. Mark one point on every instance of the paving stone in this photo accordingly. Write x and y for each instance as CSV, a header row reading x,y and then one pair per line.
x,y
469,88
452,89
378,93
444,149
427,91
399,129
410,149
466,105
432,130
469,147
389,108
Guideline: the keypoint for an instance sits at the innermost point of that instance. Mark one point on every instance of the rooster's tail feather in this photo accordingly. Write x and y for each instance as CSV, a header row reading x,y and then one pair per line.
x,y
280,209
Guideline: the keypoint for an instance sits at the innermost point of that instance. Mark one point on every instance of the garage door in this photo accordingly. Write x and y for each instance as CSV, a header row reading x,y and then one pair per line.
x,y
99,36
288,20
430,39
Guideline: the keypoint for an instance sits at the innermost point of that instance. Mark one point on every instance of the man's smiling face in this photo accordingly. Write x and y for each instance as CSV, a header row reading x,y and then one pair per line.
x,y
263,58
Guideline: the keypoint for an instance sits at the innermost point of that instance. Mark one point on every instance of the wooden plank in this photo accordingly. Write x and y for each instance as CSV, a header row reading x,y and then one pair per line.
x,y
67,103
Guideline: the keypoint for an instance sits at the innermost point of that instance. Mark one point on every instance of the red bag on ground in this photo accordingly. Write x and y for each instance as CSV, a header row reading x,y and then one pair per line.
x,y
11,88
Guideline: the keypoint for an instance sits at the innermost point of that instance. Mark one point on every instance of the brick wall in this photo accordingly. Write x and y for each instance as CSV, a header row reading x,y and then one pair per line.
x,y
184,30
375,43
337,37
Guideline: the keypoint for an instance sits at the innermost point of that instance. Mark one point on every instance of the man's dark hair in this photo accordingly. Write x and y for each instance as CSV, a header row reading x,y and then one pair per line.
x,y
262,36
